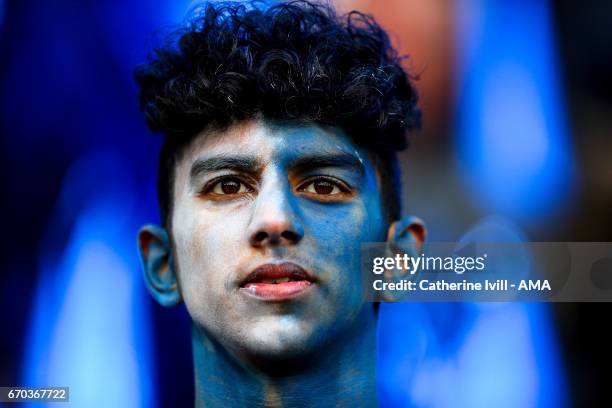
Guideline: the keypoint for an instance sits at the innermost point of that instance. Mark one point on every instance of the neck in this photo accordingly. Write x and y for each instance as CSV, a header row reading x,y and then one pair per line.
x,y
339,374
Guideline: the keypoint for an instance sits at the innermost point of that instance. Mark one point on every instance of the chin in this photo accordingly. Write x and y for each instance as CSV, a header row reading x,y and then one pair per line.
x,y
280,338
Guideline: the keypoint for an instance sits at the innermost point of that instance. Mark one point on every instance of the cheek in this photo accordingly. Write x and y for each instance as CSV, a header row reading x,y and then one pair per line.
x,y
205,243
338,232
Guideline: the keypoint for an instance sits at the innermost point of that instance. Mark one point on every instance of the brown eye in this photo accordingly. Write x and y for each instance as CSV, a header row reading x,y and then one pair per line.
x,y
321,187
229,187
324,187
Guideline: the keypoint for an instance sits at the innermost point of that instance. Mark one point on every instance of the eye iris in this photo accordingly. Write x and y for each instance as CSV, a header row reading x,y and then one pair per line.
x,y
323,187
230,187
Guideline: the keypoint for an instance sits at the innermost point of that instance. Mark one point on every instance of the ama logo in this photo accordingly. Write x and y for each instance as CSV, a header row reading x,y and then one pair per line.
x,y
539,284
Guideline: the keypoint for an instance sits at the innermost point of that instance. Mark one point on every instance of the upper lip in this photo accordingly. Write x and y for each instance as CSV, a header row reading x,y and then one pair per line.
x,y
277,271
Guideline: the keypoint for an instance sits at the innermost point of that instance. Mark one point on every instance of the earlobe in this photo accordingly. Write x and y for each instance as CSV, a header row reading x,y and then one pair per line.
x,y
156,256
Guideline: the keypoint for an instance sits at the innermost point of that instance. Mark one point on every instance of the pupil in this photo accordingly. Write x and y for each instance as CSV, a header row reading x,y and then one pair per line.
x,y
230,187
323,187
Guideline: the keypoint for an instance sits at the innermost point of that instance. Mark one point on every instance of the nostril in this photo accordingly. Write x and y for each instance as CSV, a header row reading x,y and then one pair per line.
x,y
260,236
266,238
290,236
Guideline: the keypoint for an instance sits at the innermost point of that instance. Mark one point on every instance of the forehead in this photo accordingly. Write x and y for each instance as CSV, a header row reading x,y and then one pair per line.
x,y
277,142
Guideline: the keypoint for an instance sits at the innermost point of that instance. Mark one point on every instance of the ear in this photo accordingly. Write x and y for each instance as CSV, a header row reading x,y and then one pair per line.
x,y
409,233
156,256
406,236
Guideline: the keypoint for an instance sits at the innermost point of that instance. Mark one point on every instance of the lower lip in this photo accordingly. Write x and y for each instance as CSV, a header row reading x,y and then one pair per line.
x,y
278,291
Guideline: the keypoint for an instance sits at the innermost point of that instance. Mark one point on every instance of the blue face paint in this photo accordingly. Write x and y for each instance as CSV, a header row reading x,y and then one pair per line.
x,y
267,226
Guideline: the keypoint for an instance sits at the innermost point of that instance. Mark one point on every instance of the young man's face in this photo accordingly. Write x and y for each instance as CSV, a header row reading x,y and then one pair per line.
x,y
267,224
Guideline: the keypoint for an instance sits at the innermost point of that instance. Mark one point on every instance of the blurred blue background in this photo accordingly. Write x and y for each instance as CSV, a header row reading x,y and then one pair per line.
x,y
516,97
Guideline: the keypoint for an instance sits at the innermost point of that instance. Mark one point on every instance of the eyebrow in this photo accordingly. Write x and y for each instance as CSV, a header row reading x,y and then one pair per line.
x,y
315,161
240,163
250,164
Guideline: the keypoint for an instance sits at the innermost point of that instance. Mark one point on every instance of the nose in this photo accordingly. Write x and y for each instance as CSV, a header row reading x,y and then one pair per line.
x,y
275,221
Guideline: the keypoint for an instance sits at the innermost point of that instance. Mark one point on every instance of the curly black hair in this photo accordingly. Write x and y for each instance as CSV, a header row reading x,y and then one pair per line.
x,y
297,61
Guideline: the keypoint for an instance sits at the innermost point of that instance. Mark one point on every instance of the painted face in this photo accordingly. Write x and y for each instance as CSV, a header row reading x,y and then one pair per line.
x,y
267,225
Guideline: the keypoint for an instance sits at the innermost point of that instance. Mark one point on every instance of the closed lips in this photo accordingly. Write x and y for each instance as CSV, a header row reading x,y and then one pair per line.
x,y
276,274
277,282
